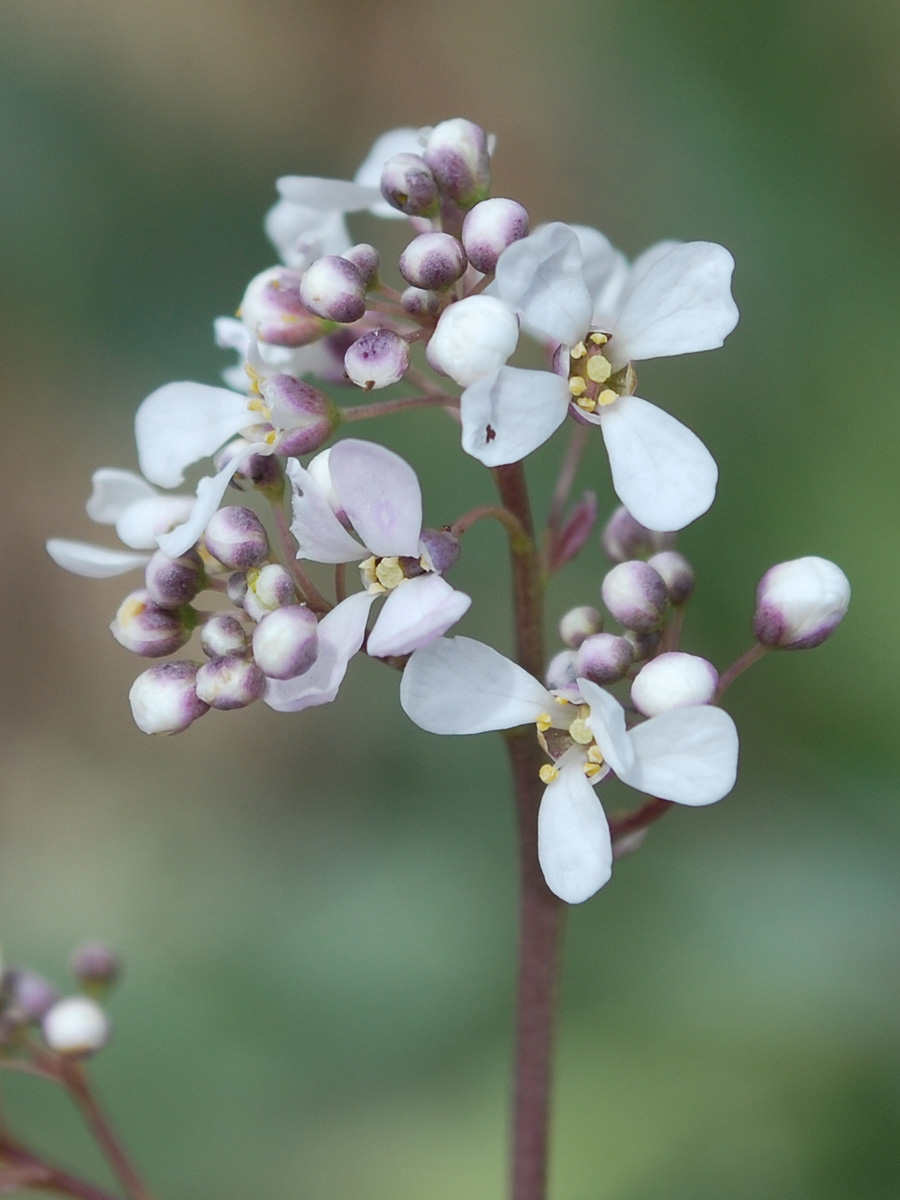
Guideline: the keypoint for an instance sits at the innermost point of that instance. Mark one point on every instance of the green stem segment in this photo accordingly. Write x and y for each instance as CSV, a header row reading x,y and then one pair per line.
x,y
75,1082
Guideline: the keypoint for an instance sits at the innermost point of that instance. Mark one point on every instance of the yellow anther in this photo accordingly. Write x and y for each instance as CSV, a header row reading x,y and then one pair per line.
x,y
560,700
599,339
548,773
367,570
578,351
577,386
579,732
588,403
591,769
389,573
599,368
607,396
257,406
544,721
594,755
270,438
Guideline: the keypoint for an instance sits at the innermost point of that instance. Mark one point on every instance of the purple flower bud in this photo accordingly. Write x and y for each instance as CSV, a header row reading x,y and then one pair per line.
x,y
579,623
800,603
232,681
334,288
235,536
268,588
489,228
645,644
419,302
223,634
603,658
459,157
144,627
164,699
574,534
95,966
262,470
408,185
677,573
236,588
377,359
440,549
303,416
286,642
76,1027
29,993
561,670
273,311
366,259
625,538
636,595
673,680
174,582
433,260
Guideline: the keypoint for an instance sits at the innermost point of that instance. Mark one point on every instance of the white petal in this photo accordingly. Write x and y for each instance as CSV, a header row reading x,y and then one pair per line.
x,y
541,277
661,471
319,534
414,614
607,723
341,634
183,422
688,755
113,491
605,272
473,338
94,562
210,491
457,685
302,234
327,195
682,304
510,413
379,492
574,846
141,523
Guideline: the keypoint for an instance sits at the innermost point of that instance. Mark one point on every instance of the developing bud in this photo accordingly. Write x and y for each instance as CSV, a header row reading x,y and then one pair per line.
x,y
419,302
473,337
29,994
366,259
625,538
636,595
604,658
164,699
303,416
262,470
677,573
800,603
673,680
408,185
95,966
223,634
273,311
645,644
489,228
144,627
76,1027
236,588
458,154
561,670
235,536
174,582
571,539
579,623
268,588
377,359
286,642
440,549
333,288
434,261
232,681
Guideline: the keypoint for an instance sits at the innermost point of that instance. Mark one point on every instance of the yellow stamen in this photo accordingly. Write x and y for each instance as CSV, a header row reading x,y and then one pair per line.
x,y
548,773
599,339
587,403
591,769
577,386
579,732
270,438
544,721
560,700
256,406
578,351
599,368
594,755
389,573
607,396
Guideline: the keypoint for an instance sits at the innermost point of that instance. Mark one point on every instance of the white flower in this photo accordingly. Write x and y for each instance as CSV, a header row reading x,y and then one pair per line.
x,y
686,755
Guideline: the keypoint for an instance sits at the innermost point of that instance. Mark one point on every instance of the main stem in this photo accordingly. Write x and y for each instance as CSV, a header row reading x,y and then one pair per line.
x,y
540,912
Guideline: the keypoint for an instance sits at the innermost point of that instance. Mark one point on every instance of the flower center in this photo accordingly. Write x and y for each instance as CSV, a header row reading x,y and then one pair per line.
x,y
555,741
384,574
592,382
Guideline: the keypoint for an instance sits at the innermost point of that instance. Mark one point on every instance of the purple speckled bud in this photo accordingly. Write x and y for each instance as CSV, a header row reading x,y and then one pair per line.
x,y
174,582
334,288
440,549
603,658
489,228
645,644
419,302
366,259
579,623
625,538
95,966
459,157
408,185
377,359
286,642
232,681
223,634
677,573
268,588
434,261
636,595
235,536
30,994
303,416
144,627
236,588
273,311
262,470
561,670
800,603
673,680
164,699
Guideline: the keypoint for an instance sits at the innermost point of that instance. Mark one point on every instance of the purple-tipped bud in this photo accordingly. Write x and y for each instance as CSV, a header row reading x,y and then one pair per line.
x,y
262,470
366,259
377,359
636,595
561,670
76,1027
273,311
30,994
574,534
223,634
677,573
624,538
232,681
419,302
304,417
286,642
164,699
579,623
489,228
673,680
604,658
433,260
440,549
95,966
333,288
645,644
800,603
268,588
236,588
459,157
235,536
144,627
174,582
408,185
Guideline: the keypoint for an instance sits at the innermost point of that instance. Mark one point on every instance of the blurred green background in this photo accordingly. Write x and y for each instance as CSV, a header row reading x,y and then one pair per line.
x,y
317,912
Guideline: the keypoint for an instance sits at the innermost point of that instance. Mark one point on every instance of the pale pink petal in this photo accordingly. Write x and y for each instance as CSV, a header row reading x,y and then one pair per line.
x,y
510,413
113,491
94,562
574,846
541,277
341,634
607,723
319,534
414,614
180,423
688,755
379,492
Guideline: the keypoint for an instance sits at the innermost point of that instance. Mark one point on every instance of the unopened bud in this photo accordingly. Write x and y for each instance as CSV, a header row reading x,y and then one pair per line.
x,y
377,359
571,539
30,994
408,185
95,966
174,582
459,157
440,549
561,670
677,573
286,642
164,699
604,658
273,311
334,288
304,417
236,537
434,261
489,228
673,680
236,588
625,538
146,628
366,259
223,634
579,623
473,338
76,1027
232,681
645,645
268,588
800,603
262,470
636,595
419,302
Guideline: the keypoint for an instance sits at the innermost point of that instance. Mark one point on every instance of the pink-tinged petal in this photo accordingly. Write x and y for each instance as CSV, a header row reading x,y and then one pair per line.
x,y
341,634
688,755
210,491
327,195
113,492
457,685
180,423
141,523
510,413
541,277
661,471
682,304
319,534
414,614
379,492
607,723
93,562
574,846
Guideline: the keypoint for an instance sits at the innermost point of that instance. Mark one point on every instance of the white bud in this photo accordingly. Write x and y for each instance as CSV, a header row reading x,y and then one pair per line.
x,y
579,623
76,1026
334,288
273,311
164,699
377,359
489,228
677,573
636,595
433,261
800,603
673,680
561,670
286,642
604,658
232,681
473,338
